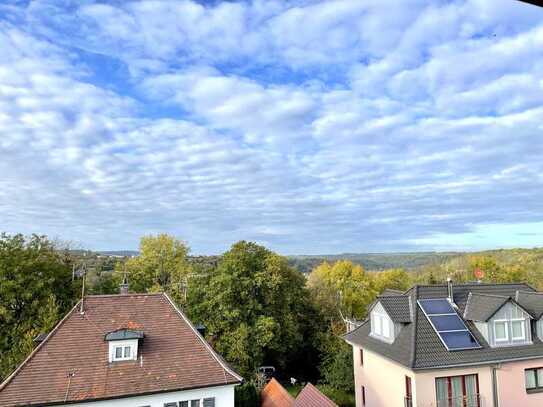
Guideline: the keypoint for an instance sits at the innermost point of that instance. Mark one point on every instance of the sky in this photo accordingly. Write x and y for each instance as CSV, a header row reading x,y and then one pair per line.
x,y
307,126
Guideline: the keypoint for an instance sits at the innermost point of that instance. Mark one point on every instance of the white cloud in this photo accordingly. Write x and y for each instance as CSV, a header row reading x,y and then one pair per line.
x,y
311,126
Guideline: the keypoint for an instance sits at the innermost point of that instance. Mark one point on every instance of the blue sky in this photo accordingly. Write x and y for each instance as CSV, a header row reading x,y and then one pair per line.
x,y
307,126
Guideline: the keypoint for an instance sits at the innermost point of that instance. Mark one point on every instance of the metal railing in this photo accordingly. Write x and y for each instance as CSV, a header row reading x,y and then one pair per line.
x,y
474,400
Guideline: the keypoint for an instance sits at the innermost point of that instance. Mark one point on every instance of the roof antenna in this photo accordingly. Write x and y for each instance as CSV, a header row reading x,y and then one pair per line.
x,y
124,284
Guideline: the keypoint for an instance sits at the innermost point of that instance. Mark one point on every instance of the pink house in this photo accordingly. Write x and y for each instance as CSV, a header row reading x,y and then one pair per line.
x,y
466,345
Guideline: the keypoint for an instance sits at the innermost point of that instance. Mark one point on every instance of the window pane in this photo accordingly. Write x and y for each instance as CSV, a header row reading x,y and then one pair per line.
x,y
442,392
530,379
518,329
457,392
118,352
127,351
471,390
209,402
539,377
195,403
184,403
500,330
386,327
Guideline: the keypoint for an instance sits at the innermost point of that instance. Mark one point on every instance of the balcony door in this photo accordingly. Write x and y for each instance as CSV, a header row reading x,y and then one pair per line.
x,y
458,391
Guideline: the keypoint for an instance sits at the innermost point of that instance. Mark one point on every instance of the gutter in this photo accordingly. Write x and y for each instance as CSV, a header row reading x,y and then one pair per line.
x,y
495,397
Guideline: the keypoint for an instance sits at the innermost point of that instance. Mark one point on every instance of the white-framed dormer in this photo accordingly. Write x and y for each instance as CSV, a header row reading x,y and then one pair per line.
x,y
382,326
123,345
123,350
509,326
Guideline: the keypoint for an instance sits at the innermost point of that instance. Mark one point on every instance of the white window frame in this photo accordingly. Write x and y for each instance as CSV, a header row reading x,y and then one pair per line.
x,y
523,326
506,324
379,322
114,345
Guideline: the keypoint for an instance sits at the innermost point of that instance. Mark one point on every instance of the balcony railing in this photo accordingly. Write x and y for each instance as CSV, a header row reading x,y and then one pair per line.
x,y
464,401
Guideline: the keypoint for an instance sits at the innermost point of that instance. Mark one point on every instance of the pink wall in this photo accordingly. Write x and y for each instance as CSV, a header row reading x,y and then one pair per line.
x,y
511,385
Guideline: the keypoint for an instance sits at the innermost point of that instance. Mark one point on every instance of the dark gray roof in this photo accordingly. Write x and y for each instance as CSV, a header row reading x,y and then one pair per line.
x,y
531,302
390,291
397,307
122,334
419,347
480,307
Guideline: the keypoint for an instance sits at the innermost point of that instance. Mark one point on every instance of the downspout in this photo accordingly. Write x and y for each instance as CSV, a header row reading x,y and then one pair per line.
x,y
495,398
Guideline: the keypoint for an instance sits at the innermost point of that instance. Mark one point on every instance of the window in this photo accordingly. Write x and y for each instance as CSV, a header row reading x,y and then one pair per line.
x,y
209,402
380,325
195,403
122,353
408,392
174,404
361,357
184,403
458,391
363,396
500,331
534,380
517,328
123,350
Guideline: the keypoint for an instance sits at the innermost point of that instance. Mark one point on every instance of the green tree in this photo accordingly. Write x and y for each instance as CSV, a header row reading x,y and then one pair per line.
x,y
161,266
341,287
395,279
36,288
254,306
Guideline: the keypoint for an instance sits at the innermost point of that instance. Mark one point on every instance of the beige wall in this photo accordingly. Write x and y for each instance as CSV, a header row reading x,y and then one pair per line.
x,y
426,387
383,379
511,385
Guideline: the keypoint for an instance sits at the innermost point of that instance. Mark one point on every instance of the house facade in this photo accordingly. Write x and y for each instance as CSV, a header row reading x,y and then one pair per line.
x,y
132,350
467,345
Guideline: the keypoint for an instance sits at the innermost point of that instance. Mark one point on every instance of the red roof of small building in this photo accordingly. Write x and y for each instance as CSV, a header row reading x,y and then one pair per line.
x,y
275,395
310,396
71,364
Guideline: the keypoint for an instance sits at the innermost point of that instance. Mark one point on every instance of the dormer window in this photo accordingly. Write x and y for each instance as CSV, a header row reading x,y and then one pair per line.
x,y
382,326
123,344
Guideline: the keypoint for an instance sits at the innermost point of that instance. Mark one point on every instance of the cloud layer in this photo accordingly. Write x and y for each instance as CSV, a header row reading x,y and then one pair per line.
x,y
309,126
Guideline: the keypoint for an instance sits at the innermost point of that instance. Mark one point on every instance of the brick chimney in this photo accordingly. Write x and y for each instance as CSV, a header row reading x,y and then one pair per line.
x,y
124,286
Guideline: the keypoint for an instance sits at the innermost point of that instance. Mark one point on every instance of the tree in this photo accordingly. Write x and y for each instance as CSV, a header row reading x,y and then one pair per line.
x,y
395,279
254,307
161,266
36,288
341,287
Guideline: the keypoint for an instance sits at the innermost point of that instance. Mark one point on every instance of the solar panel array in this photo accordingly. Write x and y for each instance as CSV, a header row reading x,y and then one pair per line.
x,y
448,325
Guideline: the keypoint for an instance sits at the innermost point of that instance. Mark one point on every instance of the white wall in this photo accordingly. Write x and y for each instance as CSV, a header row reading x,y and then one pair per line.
x,y
224,397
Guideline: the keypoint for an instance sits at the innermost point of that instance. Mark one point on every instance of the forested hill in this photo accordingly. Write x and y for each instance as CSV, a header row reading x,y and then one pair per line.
x,y
375,261
418,260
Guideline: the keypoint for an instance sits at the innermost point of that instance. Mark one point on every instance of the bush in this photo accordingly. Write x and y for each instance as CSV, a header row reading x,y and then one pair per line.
x,y
246,395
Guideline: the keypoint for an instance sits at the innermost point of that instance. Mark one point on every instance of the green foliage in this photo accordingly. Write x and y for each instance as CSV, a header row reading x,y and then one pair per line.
x,y
395,279
36,289
254,306
161,266
341,397
247,395
337,364
341,286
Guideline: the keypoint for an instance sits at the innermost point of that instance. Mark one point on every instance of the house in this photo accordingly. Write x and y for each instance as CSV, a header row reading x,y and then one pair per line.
x,y
275,395
122,350
469,345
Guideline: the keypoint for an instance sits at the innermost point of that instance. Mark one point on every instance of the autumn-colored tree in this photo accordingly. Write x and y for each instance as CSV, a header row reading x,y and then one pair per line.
x,y
161,266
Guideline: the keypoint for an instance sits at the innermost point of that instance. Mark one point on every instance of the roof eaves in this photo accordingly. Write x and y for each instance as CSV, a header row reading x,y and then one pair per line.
x,y
37,348
218,358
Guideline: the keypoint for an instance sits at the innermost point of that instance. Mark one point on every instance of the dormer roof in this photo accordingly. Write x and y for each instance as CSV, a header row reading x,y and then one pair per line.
x,y
124,334
531,301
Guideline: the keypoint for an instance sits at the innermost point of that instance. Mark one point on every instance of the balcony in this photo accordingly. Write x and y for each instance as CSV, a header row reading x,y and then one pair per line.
x,y
466,401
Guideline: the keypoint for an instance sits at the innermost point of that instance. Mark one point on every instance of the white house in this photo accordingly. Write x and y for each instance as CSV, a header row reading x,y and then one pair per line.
x,y
131,350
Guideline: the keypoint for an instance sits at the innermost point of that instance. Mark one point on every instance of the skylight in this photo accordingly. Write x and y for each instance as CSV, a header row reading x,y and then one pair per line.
x,y
450,328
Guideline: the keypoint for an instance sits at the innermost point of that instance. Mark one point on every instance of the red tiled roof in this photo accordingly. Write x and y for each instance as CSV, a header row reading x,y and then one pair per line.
x,y
310,396
275,395
173,356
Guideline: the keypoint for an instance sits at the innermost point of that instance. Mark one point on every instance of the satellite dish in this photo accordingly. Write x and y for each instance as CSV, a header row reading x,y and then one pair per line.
x,y
479,274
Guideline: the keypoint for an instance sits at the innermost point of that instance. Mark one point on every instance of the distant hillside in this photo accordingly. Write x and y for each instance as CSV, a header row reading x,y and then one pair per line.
x,y
375,261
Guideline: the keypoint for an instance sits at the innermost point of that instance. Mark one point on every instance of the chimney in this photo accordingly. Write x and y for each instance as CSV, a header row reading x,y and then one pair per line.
x,y
124,286
450,290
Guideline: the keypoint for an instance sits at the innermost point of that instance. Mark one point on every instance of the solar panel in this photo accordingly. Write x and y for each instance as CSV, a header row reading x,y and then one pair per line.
x,y
448,325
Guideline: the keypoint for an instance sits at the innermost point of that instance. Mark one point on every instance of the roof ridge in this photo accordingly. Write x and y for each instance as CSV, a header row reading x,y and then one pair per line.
x,y
414,327
124,295
491,295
